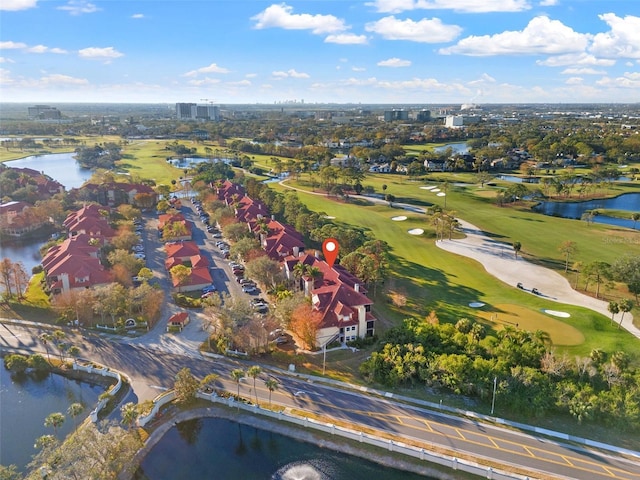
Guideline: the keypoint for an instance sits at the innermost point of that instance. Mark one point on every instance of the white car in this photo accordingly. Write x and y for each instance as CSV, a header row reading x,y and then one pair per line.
x,y
139,256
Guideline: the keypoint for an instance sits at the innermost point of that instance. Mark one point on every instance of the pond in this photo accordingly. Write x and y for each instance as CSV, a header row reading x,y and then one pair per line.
x,y
628,201
220,448
189,162
27,400
62,167
457,147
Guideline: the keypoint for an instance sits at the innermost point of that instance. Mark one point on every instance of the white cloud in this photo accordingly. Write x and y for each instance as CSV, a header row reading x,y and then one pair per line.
x,y
45,49
137,15
251,75
213,68
358,69
13,5
472,6
6,60
346,39
540,36
12,45
281,16
484,78
582,71
548,3
291,73
394,63
574,81
240,83
622,41
204,82
96,53
628,80
79,7
424,31
57,79
575,59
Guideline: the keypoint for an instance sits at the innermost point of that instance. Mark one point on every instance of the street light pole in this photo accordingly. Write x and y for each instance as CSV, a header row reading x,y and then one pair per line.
x,y
493,400
324,357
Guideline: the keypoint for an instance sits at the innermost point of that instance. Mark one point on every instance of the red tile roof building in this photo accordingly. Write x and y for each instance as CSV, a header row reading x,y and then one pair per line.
x,y
337,294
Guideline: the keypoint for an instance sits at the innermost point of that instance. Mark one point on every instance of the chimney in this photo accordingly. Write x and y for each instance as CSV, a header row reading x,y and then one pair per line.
x,y
356,287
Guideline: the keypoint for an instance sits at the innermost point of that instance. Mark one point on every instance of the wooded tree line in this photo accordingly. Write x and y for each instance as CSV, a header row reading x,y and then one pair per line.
x,y
532,379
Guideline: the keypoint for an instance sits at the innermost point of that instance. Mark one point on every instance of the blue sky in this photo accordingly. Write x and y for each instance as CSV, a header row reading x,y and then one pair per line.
x,y
331,51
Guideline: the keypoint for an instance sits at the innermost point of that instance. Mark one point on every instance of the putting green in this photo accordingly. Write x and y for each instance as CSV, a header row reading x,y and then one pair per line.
x,y
560,333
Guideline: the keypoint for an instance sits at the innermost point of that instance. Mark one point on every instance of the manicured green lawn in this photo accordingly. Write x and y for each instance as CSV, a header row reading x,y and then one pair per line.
x,y
432,279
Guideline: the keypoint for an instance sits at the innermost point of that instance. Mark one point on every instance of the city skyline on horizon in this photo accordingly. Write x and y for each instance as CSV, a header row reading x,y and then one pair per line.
x,y
405,52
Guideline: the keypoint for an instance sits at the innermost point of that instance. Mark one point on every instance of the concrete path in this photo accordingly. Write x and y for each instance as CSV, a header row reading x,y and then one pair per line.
x,y
499,260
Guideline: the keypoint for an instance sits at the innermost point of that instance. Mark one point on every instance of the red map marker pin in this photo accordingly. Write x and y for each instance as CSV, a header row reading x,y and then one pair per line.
x,y
330,249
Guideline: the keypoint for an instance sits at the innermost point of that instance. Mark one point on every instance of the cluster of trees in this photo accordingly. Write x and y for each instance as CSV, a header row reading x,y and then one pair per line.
x,y
625,269
111,303
99,156
531,378
13,279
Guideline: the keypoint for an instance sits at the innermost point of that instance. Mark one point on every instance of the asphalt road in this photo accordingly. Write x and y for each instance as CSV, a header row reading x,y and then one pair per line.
x,y
152,371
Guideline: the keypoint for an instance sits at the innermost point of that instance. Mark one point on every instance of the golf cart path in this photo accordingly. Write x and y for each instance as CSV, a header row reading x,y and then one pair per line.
x,y
499,260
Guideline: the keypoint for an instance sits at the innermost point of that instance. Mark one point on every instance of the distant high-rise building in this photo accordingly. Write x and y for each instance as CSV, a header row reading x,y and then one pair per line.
x,y
395,114
44,112
192,111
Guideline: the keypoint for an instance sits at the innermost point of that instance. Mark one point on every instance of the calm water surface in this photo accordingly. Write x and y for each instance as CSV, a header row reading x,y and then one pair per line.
x,y
26,401
209,448
59,166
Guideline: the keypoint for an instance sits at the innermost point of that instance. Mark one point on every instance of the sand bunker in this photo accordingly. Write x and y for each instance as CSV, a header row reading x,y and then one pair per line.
x,y
416,231
435,190
440,194
329,217
476,304
428,187
556,313
399,218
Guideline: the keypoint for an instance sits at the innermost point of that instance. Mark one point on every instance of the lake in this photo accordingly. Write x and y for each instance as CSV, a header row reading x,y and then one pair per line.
x,y
26,401
220,448
458,147
628,201
62,167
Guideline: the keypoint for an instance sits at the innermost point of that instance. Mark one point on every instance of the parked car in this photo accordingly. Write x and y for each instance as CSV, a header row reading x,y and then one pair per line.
x,y
246,281
249,288
209,288
258,301
140,256
282,340
217,235
207,295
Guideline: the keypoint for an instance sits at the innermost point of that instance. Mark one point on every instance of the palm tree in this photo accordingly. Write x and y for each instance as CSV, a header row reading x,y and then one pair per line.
x,y
625,306
209,380
45,338
73,411
613,308
237,374
129,414
54,420
58,337
271,384
635,217
517,246
253,372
